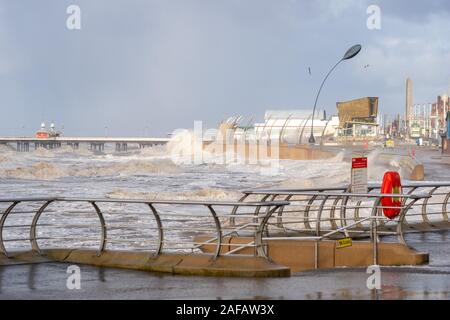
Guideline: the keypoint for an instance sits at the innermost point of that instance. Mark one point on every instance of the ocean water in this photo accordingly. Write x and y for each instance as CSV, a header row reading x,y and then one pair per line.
x,y
164,171
159,173
149,172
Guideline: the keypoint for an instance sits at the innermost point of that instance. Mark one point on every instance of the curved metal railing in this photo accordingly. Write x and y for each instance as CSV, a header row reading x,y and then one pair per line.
x,y
315,212
426,214
157,226
259,216
318,215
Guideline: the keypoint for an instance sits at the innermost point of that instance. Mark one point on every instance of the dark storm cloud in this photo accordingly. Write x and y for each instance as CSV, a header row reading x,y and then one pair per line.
x,y
163,64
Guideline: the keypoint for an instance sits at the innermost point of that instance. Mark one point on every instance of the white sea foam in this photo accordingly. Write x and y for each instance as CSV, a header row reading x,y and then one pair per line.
x,y
128,168
39,171
315,173
156,166
4,158
50,170
201,194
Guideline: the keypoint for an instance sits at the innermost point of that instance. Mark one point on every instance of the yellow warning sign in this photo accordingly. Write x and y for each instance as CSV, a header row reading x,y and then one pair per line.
x,y
342,243
390,144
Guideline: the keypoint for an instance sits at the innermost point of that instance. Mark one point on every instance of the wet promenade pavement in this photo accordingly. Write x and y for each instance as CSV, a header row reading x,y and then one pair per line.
x,y
48,281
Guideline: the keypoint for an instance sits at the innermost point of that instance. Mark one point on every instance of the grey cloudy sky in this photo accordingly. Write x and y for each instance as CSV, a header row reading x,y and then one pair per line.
x,y
162,64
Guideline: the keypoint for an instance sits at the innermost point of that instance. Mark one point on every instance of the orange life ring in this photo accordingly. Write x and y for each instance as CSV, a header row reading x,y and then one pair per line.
x,y
391,185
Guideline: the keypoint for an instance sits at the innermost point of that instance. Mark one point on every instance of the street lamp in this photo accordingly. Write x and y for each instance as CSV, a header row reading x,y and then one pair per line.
x,y
353,51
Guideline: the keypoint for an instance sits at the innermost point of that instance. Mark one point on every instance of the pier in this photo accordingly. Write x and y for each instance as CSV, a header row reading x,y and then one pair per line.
x,y
22,144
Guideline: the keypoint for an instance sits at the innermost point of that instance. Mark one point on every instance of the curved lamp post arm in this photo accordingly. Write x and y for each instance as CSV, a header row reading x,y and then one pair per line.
x,y
350,53
311,138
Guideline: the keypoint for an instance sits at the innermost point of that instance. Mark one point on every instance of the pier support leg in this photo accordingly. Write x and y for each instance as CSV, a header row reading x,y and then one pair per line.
x,y
74,145
23,147
96,146
121,147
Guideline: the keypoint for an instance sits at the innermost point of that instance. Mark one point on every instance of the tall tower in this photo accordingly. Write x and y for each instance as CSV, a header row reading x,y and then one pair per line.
x,y
409,103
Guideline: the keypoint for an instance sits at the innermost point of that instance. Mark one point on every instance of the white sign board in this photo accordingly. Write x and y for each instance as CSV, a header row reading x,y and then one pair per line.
x,y
359,176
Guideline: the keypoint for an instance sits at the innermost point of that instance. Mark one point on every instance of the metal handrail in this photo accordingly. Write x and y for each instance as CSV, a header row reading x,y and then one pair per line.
x,y
315,208
371,186
338,194
157,215
438,194
374,233
137,201
303,202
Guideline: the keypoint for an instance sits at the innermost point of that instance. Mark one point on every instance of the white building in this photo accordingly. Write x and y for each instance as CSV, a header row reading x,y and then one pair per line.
x,y
294,126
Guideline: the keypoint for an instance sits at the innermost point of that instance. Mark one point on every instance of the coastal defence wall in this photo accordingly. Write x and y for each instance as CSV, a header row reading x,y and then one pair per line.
x,y
183,264
300,255
260,151
411,169
284,257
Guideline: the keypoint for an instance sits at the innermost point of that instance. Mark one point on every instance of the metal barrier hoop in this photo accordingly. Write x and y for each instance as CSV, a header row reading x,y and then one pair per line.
x,y
160,229
33,240
2,223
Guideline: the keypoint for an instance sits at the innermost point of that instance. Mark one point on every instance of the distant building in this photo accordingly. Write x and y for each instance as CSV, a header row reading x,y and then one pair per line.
x,y
429,120
358,118
420,121
438,113
409,103
294,126
44,133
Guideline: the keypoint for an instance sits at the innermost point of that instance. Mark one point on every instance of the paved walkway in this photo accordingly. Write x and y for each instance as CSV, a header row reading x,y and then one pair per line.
x,y
48,281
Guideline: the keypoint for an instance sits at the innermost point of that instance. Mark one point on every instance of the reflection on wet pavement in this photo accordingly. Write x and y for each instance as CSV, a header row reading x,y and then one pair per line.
x,y
48,281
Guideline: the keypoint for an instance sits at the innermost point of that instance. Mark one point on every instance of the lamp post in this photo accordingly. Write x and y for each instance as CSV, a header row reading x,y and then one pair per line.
x,y
353,51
